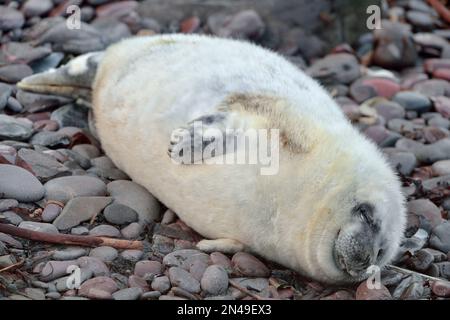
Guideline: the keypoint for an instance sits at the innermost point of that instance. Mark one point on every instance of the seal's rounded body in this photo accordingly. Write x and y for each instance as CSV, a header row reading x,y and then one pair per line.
x,y
333,208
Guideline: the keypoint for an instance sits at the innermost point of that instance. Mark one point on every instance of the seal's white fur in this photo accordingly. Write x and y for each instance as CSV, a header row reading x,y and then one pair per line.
x,y
147,87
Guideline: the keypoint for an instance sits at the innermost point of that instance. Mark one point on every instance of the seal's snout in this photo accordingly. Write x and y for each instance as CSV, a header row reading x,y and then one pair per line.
x,y
356,245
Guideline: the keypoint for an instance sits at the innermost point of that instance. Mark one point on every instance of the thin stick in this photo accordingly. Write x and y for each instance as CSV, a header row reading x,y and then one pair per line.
x,y
245,290
87,241
17,264
414,272
440,9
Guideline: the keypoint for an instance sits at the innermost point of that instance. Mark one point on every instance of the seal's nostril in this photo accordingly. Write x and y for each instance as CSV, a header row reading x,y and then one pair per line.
x,y
379,254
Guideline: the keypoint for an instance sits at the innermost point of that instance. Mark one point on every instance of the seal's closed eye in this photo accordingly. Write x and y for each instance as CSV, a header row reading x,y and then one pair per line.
x,y
365,211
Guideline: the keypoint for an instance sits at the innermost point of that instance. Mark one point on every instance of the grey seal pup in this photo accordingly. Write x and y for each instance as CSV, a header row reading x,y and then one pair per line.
x,y
333,208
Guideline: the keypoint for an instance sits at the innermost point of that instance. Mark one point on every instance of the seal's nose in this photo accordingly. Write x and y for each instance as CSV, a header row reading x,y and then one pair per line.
x,y
355,265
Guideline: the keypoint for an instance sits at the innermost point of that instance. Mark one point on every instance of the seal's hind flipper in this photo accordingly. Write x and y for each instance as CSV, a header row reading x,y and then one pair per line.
x,y
204,138
71,80
229,246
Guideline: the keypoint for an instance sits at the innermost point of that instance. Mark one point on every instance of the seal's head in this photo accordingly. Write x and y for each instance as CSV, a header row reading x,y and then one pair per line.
x,y
357,215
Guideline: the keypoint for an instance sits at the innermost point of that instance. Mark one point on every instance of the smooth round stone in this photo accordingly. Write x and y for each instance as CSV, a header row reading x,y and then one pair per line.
x,y
53,295
10,18
444,269
50,139
143,268
34,294
79,231
421,20
5,93
105,230
128,294
70,253
87,150
14,105
102,162
132,231
220,259
420,261
442,105
441,168
214,281
403,162
98,288
8,204
161,284
15,72
336,68
183,279
433,88
443,74
439,122
197,269
97,266
51,212
365,293
38,226
12,217
45,125
151,295
34,102
185,258
440,237
80,209
15,128
33,8
434,134
426,209
441,288
21,52
168,217
428,153
389,110
65,188
366,88
136,197
248,265
381,136
104,253
137,282
120,214
70,116
132,255
413,101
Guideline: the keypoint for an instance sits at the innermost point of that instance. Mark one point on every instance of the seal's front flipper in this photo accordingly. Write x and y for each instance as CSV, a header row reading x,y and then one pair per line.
x,y
205,137
71,80
229,246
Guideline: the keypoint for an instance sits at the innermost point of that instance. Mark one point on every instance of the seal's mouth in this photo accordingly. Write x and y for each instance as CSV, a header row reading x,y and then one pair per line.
x,y
342,265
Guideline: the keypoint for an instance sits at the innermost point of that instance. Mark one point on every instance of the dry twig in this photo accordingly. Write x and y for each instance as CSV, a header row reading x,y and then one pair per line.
x,y
87,241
